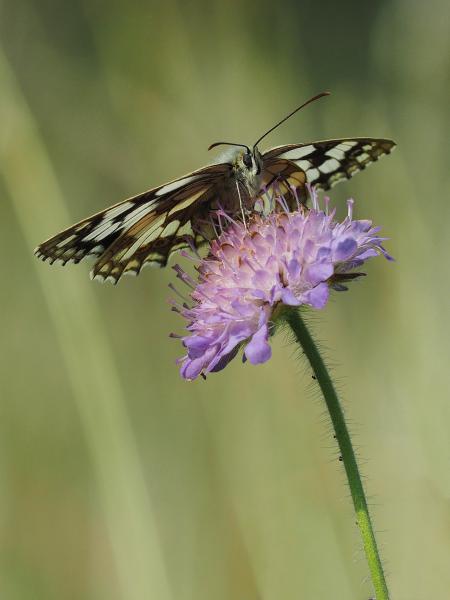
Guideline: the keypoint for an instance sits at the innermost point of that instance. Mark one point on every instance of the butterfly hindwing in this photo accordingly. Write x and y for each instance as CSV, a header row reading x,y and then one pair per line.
x,y
279,178
153,238
144,229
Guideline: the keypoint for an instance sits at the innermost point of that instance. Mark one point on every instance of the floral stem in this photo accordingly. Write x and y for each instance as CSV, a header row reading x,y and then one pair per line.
x,y
304,338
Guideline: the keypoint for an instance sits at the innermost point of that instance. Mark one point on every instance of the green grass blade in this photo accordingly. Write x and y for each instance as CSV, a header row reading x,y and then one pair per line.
x,y
38,202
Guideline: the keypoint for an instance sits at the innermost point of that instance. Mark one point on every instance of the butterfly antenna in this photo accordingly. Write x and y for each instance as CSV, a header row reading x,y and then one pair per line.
x,y
228,144
321,95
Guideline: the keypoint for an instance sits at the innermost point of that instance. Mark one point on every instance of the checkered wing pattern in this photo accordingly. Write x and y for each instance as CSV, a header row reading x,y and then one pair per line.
x,y
143,230
322,164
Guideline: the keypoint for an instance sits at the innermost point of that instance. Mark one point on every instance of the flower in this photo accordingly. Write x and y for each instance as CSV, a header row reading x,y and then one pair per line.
x,y
254,269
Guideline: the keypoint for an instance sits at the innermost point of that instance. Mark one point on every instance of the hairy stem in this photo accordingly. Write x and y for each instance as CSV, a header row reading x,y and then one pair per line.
x,y
304,338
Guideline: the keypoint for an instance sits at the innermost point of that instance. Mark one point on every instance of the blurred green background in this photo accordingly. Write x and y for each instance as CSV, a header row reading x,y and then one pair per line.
x,y
118,479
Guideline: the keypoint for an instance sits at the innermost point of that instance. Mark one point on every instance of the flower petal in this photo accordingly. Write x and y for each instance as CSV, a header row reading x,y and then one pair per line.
x,y
258,350
345,249
318,296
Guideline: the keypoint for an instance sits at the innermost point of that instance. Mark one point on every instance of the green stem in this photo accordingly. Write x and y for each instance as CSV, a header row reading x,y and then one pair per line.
x,y
303,337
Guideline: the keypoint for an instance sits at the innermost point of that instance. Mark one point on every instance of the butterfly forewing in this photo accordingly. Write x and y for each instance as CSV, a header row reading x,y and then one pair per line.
x,y
144,229
323,163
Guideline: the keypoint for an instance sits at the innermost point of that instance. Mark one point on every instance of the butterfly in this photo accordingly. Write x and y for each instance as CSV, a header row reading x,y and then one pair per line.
x,y
146,229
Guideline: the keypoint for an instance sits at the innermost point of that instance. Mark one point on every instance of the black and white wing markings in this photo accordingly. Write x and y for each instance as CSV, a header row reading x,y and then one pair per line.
x,y
140,230
324,163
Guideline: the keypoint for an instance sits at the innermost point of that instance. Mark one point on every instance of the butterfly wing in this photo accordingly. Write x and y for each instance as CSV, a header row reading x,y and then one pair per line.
x,y
144,229
322,164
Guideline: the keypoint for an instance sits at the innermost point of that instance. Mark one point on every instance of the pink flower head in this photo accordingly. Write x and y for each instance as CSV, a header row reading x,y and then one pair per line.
x,y
285,258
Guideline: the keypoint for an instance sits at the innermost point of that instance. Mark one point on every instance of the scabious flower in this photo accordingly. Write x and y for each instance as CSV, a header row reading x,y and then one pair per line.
x,y
253,270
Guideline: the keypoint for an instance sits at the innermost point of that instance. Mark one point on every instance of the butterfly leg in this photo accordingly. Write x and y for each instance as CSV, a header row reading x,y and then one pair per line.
x,y
241,205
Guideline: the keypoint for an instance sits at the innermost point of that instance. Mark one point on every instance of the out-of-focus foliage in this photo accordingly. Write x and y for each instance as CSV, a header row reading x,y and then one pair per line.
x,y
119,480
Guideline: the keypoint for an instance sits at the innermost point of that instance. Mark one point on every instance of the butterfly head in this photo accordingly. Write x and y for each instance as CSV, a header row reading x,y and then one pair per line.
x,y
252,161
246,162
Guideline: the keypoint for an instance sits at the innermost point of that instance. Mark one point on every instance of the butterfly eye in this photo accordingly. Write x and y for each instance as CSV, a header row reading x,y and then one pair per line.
x,y
248,160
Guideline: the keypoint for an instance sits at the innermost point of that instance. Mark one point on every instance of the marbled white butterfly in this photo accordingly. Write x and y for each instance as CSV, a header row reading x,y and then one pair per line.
x,y
146,229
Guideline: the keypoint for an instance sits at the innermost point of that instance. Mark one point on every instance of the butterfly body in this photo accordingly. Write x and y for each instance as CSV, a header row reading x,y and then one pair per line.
x,y
146,229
